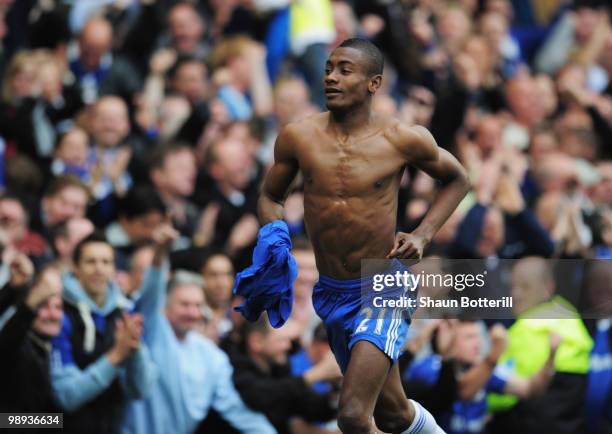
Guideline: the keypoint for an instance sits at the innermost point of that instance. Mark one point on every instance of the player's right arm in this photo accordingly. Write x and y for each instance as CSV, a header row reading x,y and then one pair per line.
x,y
278,180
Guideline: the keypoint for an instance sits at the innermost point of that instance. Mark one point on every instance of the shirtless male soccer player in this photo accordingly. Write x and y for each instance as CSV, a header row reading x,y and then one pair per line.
x,y
352,161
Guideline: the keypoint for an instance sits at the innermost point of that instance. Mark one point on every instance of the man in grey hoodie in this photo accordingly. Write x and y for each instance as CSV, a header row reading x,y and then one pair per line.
x,y
98,361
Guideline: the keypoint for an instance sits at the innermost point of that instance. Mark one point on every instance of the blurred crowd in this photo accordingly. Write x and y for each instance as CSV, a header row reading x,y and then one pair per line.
x,y
134,136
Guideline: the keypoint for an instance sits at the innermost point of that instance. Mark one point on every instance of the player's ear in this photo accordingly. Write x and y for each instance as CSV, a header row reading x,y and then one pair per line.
x,y
374,83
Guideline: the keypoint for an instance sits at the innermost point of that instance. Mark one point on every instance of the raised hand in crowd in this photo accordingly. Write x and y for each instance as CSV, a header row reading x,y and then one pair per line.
x,y
205,231
326,370
499,341
445,339
21,268
48,284
243,234
128,331
508,195
163,237
570,232
162,60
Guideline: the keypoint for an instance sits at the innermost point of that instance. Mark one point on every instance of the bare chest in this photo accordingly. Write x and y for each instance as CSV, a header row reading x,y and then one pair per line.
x,y
353,167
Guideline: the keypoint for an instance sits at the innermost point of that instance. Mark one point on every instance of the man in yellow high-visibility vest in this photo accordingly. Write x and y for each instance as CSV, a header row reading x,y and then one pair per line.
x,y
540,311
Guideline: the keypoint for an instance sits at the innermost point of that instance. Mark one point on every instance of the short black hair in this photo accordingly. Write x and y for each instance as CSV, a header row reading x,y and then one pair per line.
x,y
139,201
376,61
158,157
181,60
247,328
95,237
64,181
58,230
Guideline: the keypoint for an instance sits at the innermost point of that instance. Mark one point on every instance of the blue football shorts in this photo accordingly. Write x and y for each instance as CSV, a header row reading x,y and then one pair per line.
x,y
351,314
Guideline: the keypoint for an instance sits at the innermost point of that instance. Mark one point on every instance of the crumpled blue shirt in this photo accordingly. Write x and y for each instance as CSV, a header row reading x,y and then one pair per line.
x,y
268,283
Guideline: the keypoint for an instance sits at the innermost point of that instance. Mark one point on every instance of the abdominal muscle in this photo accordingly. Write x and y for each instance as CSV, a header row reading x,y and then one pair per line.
x,y
343,231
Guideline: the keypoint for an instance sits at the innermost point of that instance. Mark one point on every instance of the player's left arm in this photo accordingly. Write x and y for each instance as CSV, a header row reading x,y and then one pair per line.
x,y
421,151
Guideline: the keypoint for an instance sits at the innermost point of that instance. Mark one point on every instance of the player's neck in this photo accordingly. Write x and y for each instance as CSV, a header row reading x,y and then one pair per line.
x,y
351,120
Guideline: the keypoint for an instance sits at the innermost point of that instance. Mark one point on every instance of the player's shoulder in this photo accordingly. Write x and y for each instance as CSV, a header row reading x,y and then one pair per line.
x,y
299,131
411,139
399,132
306,124
295,134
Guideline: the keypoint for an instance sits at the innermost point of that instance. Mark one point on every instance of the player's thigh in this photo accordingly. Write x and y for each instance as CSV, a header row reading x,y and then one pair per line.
x,y
364,378
392,402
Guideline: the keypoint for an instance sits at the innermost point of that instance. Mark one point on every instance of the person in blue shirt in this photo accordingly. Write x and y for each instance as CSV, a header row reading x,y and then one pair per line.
x,y
309,356
98,362
598,402
478,376
96,69
194,374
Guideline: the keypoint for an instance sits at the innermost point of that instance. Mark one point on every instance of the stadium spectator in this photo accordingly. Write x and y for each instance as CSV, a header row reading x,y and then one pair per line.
x,y
64,238
539,312
500,223
598,292
131,282
14,225
194,375
173,174
24,340
188,77
55,105
140,212
98,362
72,155
218,274
263,377
240,70
234,192
186,31
110,155
96,69
312,353
576,36
65,198
476,375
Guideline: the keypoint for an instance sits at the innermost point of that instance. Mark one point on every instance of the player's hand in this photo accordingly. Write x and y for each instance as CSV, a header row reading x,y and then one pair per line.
x,y
407,246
